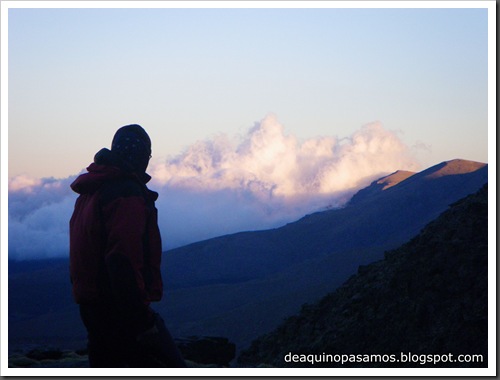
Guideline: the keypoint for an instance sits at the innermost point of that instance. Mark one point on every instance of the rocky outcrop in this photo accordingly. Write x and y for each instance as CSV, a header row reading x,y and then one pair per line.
x,y
207,350
430,296
197,351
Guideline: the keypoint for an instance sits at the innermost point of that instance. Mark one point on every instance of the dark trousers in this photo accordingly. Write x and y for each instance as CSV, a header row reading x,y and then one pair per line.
x,y
112,345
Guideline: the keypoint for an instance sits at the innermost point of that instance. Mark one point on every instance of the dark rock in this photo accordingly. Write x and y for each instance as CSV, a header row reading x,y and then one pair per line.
x,y
82,351
45,354
207,350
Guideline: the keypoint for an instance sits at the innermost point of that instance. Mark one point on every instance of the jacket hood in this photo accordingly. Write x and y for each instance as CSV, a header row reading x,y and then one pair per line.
x,y
106,166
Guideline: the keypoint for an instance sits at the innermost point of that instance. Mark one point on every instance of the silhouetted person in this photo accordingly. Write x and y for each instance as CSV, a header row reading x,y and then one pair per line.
x,y
115,255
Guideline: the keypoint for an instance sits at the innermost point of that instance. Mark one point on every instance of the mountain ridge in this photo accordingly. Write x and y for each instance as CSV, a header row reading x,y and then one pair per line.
x,y
381,184
403,178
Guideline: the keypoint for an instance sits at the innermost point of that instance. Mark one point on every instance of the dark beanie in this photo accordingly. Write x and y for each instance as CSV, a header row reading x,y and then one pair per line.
x,y
133,145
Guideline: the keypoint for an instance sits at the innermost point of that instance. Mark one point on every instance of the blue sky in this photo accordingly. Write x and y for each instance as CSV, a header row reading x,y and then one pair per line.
x,y
76,75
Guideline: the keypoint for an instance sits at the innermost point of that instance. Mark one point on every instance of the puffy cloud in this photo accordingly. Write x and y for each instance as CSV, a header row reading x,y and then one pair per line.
x,y
268,161
23,183
222,185
39,212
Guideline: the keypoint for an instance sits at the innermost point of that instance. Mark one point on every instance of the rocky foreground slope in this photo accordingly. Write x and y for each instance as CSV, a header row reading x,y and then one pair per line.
x,y
430,296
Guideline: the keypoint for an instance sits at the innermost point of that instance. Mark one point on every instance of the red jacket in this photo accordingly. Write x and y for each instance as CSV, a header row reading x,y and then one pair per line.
x,y
115,243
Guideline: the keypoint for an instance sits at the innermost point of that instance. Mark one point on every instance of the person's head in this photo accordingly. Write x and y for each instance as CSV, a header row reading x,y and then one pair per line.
x,y
133,145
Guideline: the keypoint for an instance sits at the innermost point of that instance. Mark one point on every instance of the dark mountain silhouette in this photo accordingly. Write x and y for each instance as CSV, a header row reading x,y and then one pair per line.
x,y
242,285
429,296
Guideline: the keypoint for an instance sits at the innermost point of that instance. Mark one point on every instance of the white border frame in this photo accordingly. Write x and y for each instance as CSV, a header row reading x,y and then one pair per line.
x,y
490,371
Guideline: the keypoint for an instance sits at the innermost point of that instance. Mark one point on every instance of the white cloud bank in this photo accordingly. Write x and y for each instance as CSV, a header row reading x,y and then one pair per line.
x,y
223,185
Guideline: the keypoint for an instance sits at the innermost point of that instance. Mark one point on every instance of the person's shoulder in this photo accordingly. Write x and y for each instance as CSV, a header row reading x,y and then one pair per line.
x,y
121,188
